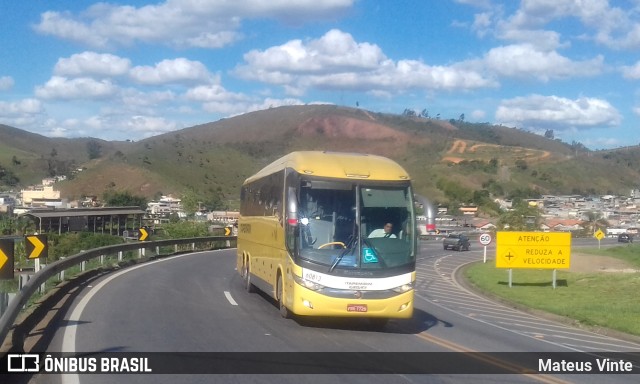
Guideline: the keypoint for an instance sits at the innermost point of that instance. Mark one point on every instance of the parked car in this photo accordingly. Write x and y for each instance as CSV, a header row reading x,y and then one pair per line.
x,y
625,238
459,242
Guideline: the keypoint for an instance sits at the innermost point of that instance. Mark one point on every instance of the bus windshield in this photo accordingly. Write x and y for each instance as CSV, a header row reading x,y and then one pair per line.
x,y
356,226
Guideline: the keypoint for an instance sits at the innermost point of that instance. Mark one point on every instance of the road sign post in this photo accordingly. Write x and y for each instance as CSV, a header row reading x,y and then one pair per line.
x,y
485,239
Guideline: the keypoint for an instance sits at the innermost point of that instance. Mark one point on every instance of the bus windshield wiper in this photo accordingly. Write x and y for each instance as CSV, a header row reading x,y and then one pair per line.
x,y
347,249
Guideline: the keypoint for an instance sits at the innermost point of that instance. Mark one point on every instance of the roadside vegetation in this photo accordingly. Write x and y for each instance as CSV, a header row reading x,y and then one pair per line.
x,y
600,299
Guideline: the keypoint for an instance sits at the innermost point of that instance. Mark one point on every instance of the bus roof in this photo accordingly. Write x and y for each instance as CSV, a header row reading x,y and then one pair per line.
x,y
337,165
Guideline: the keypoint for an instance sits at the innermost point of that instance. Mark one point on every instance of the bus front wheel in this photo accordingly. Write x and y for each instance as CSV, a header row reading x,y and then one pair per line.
x,y
378,323
284,312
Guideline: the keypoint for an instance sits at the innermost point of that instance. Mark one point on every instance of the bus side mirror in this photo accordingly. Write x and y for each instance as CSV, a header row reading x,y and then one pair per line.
x,y
292,206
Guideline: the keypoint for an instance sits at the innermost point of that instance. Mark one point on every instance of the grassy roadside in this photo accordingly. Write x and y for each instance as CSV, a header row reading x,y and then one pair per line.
x,y
602,299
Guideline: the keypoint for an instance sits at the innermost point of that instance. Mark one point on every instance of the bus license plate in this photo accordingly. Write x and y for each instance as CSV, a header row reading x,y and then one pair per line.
x,y
356,308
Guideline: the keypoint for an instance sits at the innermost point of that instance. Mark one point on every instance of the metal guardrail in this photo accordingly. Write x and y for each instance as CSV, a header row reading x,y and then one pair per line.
x,y
31,287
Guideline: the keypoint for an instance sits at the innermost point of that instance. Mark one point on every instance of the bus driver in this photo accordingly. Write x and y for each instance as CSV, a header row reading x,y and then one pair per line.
x,y
387,232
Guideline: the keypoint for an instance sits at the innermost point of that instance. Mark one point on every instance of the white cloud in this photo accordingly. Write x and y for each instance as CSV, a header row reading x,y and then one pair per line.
x,y
6,83
606,24
337,61
119,127
476,3
478,115
133,97
336,51
88,64
61,25
22,107
61,88
211,92
632,72
176,71
183,23
149,125
234,108
540,112
525,60
21,113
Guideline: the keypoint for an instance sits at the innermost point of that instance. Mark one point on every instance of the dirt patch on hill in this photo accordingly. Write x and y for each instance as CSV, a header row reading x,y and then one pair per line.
x,y
461,147
339,126
342,132
586,263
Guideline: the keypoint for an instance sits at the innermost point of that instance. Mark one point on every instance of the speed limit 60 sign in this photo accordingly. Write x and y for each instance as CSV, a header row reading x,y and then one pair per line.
x,y
485,239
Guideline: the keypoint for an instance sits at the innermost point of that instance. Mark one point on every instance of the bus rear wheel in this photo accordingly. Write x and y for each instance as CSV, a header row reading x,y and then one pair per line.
x,y
248,286
284,311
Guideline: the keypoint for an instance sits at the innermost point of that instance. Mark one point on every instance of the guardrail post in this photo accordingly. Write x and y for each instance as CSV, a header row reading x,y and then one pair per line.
x,y
4,301
61,273
175,247
83,266
157,251
43,286
193,246
23,279
119,255
101,259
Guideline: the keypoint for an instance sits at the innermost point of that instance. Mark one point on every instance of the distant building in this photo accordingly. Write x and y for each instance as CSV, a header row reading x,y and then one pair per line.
x,y
39,192
227,217
159,211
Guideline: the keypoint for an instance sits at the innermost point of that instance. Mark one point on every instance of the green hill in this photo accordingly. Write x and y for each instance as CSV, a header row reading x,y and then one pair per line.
x,y
448,160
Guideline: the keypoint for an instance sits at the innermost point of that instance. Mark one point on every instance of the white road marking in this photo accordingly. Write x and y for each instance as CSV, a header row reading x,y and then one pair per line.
x,y
227,294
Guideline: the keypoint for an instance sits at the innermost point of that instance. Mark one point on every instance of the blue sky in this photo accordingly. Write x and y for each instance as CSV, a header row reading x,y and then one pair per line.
x,y
129,69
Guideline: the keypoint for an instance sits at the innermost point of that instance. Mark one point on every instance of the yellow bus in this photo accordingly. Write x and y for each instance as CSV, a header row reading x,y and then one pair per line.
x,y
330,234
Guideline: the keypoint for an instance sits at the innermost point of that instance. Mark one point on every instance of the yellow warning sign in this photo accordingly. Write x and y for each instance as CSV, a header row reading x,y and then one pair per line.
x,y
142,234
539,250
6,259
36,246
599,234
3,258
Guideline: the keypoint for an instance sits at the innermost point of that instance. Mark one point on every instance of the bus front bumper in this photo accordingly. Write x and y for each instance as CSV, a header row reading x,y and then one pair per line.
x,y
307,302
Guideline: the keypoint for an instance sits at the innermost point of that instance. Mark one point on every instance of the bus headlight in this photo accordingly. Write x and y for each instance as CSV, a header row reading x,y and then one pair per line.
x,y
403,288
307,284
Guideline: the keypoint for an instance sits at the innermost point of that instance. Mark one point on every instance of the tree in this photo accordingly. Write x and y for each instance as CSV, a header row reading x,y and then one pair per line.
x,y
190,201
8,178
409,112
94,149
124,199
595,220
461,118
522,217
521,164
549,134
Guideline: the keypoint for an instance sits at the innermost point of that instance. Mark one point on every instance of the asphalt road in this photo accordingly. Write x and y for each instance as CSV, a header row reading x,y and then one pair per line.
x,y
196,303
